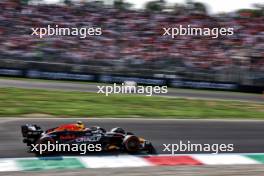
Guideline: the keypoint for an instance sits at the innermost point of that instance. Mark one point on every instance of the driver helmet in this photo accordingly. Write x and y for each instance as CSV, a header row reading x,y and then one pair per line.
x,y
80,125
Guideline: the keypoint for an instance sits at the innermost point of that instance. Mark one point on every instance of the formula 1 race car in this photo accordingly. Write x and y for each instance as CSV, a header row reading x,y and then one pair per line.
x,y
117,139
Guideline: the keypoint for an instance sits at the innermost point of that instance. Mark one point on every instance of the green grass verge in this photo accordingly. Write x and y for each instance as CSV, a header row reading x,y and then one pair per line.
x,y
100,83
14,102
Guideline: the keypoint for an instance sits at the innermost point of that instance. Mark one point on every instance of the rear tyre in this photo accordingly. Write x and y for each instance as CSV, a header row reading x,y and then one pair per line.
x,y
43,144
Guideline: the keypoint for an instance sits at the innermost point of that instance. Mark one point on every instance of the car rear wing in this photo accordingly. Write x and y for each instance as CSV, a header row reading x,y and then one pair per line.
x,y
31,131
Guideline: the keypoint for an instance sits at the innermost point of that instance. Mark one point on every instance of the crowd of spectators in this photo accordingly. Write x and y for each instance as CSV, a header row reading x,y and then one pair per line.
x,y
132,37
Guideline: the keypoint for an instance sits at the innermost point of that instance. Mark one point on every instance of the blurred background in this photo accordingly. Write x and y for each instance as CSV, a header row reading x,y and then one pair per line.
x,y
132,46
132,49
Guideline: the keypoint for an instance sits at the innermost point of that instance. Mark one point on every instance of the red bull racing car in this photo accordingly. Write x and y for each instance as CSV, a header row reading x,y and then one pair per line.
x,y
117,139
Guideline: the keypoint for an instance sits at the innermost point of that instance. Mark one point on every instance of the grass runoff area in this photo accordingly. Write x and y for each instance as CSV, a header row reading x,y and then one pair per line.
x,y
19,102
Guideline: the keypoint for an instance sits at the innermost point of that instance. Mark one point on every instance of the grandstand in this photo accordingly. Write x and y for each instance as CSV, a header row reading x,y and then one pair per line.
x,y
132,43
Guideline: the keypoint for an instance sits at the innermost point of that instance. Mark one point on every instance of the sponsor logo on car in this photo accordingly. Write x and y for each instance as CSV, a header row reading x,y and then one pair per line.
x,y
67,137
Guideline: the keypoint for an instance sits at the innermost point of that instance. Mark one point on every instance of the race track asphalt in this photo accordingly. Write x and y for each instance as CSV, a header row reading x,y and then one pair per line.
x,y
247,136
92,87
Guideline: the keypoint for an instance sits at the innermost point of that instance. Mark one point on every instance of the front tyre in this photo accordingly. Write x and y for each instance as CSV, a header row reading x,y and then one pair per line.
x,y
131,144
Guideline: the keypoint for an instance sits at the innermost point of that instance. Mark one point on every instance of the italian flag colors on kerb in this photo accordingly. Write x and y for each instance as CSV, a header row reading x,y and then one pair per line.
x,y
48,163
